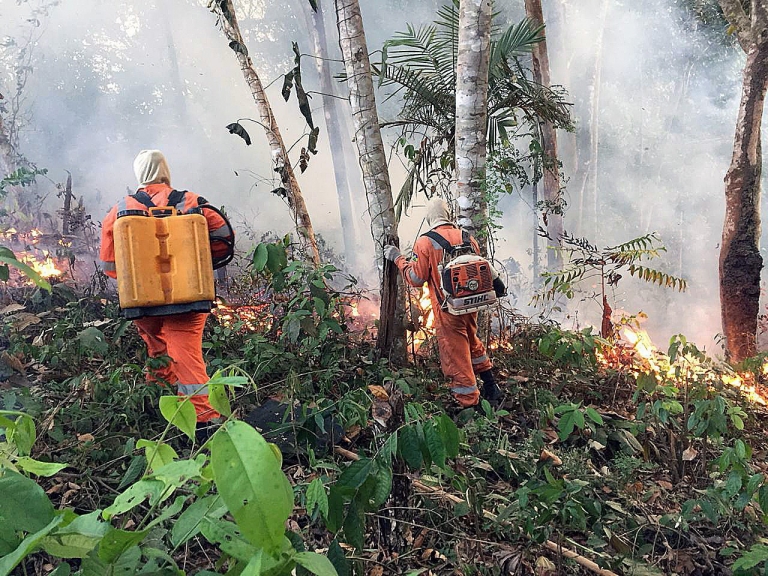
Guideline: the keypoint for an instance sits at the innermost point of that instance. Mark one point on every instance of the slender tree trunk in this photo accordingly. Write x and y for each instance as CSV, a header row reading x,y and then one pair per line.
x,y
332,115
66,214
594,122
471,115
551,181
226,11
740,259
7,155
373,160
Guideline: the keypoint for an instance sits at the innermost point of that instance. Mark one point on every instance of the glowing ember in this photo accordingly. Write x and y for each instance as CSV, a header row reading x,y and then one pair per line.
x,y
246,318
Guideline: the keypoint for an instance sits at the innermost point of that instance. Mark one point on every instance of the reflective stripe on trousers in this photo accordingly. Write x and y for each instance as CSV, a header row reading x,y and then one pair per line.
x,y
192,389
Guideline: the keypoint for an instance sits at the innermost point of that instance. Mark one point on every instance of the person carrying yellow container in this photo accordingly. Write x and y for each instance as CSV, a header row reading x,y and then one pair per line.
x,y
161,245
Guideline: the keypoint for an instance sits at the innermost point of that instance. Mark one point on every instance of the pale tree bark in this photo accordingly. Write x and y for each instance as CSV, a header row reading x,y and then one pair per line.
x,y
373,161
474,48
551,177
740,259
7,155
226,11
332,113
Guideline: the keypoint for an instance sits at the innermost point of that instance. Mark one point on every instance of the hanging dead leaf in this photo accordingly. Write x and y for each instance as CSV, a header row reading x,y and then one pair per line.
x,y
553,458
237,128
434,555
689,454
378,392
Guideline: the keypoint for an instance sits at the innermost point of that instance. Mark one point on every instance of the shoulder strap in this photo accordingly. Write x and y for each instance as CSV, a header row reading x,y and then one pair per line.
x,y
144,198
466,240
176,199
440,239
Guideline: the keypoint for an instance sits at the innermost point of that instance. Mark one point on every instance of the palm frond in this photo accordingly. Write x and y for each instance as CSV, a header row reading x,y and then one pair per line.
x,y
516,41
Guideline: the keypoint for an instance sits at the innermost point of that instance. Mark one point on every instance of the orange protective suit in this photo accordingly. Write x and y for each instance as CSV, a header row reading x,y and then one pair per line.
x,y
178,336
462,353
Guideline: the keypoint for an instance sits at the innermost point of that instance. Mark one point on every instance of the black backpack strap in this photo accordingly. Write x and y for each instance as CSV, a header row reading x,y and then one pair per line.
x,y
444,244
144,198
466,240
176,199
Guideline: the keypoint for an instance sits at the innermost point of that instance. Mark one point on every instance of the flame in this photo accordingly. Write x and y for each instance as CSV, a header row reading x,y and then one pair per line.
x,y
249,318
424,322
635,353
45,267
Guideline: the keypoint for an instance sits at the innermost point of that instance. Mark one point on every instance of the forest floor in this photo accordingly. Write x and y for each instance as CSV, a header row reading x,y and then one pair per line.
x,y
604,457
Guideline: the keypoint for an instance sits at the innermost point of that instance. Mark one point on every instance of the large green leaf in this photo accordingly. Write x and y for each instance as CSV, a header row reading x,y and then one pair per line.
x,y
28,545
134,496
228,538
180,412
23,434
23,504
125,565
355,474
249,478
189,523
317,498
93,339
434,440
157,454
315,563
409,446
115,542
32,466
76,539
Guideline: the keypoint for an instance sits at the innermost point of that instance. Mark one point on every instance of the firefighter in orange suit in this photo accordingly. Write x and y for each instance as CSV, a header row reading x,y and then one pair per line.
x,y
462,353
179,336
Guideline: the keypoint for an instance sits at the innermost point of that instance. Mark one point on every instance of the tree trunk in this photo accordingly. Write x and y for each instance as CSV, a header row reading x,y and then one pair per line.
x,y
740,259
332,115
551,181
373,160
471,116
7,155
226,10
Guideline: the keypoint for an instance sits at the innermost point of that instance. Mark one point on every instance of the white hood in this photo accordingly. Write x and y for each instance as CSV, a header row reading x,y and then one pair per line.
x,y
150,167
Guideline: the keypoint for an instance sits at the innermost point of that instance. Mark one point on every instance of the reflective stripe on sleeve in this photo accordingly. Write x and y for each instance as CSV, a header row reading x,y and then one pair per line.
x,y
414,278
464,390
222,232
192,389
108,266
480,359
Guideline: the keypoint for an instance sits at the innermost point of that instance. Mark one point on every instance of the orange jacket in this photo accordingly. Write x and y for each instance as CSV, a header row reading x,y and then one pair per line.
x,y
427,256
159,194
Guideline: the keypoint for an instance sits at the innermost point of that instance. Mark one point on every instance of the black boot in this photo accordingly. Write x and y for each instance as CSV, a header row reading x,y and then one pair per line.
x,y
491,390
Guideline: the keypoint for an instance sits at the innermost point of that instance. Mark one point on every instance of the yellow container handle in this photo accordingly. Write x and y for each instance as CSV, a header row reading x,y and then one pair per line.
x,y
162,211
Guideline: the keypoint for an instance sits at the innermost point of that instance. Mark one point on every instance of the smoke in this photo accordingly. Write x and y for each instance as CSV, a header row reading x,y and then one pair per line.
x,y
112,78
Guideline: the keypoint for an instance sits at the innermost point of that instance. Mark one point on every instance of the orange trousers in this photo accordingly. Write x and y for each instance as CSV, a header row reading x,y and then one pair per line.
x,y
181,338
462,354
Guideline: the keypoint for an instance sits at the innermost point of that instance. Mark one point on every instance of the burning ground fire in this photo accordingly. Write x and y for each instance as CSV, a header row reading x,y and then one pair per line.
x,y
635,353
27,249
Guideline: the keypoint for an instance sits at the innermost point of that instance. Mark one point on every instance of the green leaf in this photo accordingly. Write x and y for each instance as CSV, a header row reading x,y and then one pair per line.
x,y
116,541
260,256
594,415
76,539
179,411
354,526
566,424
228,538
38,468
134,496
383,486
339,560
335,517
27,546
450,435
317,498
62,569
315,563
93,339
188,525
435,444
23,434
125,565
757,554
217,396
277,259
135,469
23,503
27,271
409,446
355,474
248,476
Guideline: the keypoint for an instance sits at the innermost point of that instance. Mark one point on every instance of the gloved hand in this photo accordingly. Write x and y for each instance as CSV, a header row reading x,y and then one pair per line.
x,y
391,252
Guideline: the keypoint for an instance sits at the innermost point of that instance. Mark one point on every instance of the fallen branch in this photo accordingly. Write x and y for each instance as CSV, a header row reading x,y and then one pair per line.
x,y
554,547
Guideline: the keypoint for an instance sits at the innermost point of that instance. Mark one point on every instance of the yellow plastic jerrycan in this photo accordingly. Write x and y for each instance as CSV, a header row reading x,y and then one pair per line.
x,y
163,263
